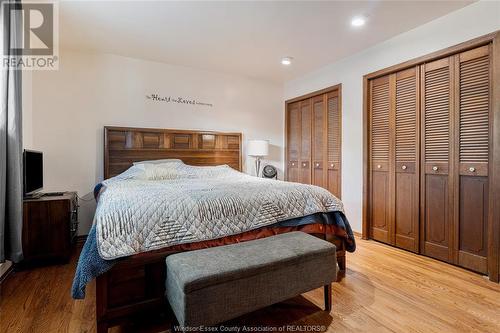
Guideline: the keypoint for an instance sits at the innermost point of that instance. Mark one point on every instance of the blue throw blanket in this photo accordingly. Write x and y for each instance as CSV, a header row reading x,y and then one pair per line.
x,y
90,265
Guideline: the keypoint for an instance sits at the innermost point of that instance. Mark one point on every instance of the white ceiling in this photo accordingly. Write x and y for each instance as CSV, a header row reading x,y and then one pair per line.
x,y
247,38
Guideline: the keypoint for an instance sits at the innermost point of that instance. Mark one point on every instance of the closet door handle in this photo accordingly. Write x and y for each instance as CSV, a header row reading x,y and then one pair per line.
x,y
379,166
404,167
304,165
317,164
435,168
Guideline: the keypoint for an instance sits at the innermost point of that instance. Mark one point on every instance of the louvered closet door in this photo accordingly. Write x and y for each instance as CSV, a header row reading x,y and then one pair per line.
x,y
334,135
406,214
305,148
318,142
380,194
473,142
437,180
294,141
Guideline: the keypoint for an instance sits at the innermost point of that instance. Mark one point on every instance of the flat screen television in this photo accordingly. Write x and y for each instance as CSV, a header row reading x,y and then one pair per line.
x,y
33,172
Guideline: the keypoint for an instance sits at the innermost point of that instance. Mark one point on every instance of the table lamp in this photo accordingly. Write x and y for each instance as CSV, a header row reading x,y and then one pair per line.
x,y
257,149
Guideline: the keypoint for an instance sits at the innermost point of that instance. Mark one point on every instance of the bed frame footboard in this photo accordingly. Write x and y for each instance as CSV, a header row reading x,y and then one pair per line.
x,y
137,285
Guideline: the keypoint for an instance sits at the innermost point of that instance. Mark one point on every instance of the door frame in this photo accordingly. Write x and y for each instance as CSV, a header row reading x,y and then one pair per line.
x,y
494,165
338,88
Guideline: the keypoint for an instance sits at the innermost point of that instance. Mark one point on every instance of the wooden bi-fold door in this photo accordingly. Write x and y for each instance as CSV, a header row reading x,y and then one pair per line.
x,y
299,135
380,139
437,169
293,134
456,117
318,141
305,142
432,172
313,129
406,157
472,139
333,143
394,153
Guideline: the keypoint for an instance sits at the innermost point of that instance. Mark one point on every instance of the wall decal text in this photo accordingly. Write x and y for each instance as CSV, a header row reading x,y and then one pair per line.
x,y
177,100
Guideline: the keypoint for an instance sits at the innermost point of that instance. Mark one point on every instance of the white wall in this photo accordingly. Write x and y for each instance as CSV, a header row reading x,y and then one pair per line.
x,y
470,22
70,107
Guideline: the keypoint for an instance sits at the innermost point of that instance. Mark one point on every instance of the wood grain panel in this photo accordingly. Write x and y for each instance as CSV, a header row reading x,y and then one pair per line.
x,y
406,119
333,181
380,121
125,145
117,140
318,175
437,191
318,144
318,122
306,122
334,129
406,215
436,237
181,141
293,171
437,114
305,172
36,222
380,206
46,234
473,223
380,188
207,141
474,109
305,141
294,131
473,148
151,140
231,141
406,196
334,139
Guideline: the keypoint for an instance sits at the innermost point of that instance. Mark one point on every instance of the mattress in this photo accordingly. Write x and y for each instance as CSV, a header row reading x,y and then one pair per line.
x,y
132,205
153,206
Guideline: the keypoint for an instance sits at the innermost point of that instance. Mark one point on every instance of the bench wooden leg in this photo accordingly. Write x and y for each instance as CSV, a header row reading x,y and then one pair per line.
x,y
102,327
341,262
328,297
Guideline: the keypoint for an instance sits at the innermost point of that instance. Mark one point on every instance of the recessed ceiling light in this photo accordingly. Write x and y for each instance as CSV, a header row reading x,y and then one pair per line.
x,y
358,21
286,61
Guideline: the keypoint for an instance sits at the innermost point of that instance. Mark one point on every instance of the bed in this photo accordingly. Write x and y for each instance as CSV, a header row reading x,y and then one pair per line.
x,y
199,177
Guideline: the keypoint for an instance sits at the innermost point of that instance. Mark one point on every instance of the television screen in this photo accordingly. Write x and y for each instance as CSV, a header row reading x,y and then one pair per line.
x,y
33,171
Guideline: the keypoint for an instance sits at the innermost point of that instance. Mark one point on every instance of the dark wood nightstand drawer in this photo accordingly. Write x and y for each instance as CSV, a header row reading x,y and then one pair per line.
x,y
49,228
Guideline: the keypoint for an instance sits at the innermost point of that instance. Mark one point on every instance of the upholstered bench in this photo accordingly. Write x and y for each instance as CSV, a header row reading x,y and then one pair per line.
x,y
210,286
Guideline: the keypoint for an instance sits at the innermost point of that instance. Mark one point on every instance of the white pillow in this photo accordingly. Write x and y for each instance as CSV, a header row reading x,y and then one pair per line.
x,y
162,171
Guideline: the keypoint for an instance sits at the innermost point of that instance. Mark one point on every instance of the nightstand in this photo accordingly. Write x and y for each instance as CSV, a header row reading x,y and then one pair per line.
x,y
50,225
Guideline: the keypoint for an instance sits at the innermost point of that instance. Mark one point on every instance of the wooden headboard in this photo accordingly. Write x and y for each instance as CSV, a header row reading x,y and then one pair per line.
x,y
125,145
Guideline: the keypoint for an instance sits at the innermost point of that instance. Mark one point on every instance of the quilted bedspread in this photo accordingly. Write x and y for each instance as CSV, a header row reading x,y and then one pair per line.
x,y
157,206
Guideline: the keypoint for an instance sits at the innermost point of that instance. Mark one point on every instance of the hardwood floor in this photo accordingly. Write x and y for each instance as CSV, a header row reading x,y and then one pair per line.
x,y
385,290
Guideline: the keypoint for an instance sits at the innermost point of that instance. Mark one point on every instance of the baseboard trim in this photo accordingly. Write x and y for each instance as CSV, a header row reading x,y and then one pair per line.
x,y
6,274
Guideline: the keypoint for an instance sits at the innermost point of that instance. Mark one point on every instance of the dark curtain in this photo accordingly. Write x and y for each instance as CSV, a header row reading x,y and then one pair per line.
x,y
11,192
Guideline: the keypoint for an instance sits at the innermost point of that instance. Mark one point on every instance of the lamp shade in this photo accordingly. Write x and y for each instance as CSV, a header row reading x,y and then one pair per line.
x,y
258,148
